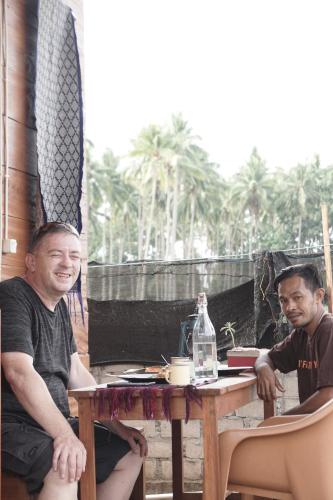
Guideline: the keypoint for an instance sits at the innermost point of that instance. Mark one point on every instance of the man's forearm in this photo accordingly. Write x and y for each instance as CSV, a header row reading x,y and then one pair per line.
x,y
263,361
318,399
267,381
114,425
79,375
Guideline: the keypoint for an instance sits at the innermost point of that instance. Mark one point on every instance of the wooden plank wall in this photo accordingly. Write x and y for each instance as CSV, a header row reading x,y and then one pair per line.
x,y
23,181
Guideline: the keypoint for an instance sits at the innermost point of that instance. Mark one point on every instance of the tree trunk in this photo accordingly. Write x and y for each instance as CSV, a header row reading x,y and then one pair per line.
x,y
104,248
140,228
159,250
110,238
228,239
121,249
217,240
255,235
250,239
300,221
167,225
192,212
174,215
128,239
151,217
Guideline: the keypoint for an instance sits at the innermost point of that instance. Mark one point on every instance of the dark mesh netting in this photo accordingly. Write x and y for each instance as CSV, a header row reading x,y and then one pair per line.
x,y
166,281
136,310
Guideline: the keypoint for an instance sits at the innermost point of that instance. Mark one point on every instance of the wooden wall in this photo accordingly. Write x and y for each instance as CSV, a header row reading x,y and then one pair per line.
x,y
22,161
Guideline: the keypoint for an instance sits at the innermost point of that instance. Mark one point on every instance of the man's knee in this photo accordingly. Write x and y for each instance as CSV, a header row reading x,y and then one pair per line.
x,y
53,479
130,461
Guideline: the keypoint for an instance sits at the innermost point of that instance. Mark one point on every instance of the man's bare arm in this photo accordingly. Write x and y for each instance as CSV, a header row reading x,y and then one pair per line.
x,y
267,381
79,375
31,391
318,399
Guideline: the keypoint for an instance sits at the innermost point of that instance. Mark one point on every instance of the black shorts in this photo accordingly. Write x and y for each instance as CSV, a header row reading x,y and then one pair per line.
x,y
28,450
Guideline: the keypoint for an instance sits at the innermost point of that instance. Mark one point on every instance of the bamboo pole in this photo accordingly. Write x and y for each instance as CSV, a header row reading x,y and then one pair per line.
x,y
327,255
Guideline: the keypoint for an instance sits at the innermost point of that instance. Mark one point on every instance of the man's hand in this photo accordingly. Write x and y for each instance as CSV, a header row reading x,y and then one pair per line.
x,y
69,457
135,439
267,383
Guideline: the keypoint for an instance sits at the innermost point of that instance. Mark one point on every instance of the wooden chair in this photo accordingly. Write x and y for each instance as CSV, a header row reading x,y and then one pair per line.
x,y
13,488
287,458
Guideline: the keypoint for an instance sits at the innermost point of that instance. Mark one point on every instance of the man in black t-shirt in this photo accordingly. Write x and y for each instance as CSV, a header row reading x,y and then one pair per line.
x,y
309,347
40,362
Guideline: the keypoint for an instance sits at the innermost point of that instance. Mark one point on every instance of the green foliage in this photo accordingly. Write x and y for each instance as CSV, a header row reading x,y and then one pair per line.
x,y
229,329
169,195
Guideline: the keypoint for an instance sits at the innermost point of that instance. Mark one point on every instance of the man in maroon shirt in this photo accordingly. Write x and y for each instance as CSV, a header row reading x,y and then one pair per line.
x,y
309,347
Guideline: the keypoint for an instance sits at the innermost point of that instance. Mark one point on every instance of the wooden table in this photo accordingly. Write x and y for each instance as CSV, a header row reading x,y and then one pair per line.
x,y
218,399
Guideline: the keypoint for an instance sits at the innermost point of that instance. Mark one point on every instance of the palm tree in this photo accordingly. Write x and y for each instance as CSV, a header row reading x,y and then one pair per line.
x,y
299,189
182,140
193,204
95,201
153,150
250,191
115,195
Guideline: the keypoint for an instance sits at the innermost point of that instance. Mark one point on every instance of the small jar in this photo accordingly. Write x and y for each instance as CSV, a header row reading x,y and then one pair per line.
x,y
183,360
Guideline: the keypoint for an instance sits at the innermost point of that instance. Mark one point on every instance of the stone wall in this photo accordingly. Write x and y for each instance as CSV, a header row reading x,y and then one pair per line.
x,y
158,433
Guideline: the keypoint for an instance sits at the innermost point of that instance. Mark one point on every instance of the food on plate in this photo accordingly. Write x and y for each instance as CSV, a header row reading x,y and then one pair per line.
x,y
159,370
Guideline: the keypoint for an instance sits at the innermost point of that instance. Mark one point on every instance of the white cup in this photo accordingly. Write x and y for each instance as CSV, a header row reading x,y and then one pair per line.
x,y
179,374
179,360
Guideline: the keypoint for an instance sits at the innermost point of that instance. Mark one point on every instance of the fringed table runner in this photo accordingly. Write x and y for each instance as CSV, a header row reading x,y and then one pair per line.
x,y
111,399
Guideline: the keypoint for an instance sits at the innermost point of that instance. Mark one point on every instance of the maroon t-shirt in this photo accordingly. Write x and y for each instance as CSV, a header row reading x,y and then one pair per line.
x,y
312,357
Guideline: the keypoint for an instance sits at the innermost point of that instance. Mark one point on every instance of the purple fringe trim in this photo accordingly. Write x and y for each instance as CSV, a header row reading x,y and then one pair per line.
x,y
111,399
191,394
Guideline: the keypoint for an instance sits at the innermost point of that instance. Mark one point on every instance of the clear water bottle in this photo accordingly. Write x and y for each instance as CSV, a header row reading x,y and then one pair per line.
x,y
204,344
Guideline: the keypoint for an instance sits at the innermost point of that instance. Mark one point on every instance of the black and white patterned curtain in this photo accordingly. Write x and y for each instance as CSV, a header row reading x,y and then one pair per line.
x,y
58,110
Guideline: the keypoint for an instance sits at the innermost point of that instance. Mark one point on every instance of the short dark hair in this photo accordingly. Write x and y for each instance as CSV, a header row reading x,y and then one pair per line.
x,y
309,272
50,228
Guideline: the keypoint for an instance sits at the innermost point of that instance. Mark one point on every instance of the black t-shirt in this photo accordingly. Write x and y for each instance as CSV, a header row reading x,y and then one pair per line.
x,y
312,357
30,327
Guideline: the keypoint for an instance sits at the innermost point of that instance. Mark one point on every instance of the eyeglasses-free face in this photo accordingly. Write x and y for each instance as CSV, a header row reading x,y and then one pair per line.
x,y
54,262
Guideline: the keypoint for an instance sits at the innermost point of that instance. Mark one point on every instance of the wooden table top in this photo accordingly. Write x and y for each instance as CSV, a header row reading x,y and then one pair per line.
x,y
222,386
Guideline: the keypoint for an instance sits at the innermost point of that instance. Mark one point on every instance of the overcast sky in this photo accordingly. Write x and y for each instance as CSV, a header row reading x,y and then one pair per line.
x,y
243,73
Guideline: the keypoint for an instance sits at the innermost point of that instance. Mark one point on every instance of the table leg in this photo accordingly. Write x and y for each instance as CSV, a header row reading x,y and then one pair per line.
x,y
86,431
211,486
268,409
177,459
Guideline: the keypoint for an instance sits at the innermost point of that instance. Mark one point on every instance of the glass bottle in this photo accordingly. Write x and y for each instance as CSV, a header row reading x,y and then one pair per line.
x,y
204,344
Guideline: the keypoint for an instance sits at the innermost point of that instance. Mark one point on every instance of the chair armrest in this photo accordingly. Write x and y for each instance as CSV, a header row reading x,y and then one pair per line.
x,y
281,419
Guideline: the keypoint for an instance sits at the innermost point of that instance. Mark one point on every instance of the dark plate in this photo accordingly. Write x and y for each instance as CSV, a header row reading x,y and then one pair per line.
x,y
124,383
232,370
143,378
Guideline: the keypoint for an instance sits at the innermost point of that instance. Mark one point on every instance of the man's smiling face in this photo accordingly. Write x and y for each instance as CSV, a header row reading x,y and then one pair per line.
x,y
298,302
55,264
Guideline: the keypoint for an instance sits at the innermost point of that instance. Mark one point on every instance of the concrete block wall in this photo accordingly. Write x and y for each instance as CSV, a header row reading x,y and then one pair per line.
x,y
158,434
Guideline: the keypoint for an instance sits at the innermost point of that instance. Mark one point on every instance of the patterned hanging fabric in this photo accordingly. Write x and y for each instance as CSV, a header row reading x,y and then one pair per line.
x,y
58,108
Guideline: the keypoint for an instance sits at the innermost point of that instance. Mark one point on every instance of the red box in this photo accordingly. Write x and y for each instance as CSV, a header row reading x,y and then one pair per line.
x,y
244,356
